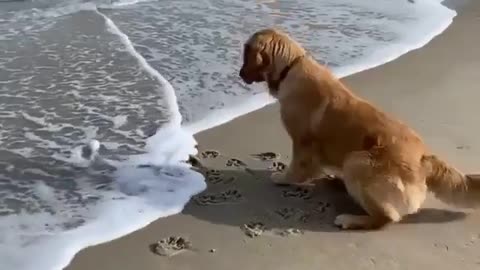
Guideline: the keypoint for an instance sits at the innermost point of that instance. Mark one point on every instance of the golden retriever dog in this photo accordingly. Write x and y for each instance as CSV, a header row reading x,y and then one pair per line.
x,y
384,164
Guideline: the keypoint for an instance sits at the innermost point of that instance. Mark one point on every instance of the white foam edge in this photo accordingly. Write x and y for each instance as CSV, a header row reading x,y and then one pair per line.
x,y
122,3
380,57
169,92
171,130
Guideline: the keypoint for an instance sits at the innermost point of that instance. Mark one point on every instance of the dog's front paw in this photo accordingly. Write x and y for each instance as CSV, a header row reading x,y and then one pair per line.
x,y
345,221
279,178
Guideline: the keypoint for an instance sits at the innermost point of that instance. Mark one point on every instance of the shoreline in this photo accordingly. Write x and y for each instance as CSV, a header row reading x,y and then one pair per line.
x,y
421,87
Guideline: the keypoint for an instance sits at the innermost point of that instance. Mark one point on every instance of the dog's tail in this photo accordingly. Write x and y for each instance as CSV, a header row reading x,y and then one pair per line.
x,y
449,185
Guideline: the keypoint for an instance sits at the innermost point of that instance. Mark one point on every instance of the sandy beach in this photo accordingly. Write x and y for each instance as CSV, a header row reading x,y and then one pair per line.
x,y
243,221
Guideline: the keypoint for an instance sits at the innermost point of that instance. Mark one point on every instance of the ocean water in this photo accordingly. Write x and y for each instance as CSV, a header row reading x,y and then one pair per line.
x,y
99,101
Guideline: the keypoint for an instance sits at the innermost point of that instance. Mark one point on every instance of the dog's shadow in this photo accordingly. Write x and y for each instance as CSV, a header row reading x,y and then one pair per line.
x,y
241,196
433,215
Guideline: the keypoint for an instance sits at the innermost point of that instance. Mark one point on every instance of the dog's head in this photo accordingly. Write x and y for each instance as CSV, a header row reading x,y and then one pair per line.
x,y
256,59
266,53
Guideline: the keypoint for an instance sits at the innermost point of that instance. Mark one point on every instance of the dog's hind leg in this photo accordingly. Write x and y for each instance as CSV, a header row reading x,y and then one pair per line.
x,y
380,191
378,215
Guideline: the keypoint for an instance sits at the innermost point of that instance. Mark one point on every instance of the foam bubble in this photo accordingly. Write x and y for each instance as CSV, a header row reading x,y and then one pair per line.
x,y
119,120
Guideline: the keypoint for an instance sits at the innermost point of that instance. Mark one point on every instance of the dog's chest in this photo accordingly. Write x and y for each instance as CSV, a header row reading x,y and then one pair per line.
x,y
295,121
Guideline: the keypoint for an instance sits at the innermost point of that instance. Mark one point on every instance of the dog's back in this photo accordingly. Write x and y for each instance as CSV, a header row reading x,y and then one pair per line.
x,y
340,121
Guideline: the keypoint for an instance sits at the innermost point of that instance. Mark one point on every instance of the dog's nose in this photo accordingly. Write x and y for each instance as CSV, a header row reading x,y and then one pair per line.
x,y
244,76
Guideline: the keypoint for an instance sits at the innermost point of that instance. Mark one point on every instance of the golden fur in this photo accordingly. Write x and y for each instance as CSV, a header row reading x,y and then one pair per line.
x,y
384,164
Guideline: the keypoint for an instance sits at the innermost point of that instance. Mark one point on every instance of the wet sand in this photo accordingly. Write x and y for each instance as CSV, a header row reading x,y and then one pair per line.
x,y
242,221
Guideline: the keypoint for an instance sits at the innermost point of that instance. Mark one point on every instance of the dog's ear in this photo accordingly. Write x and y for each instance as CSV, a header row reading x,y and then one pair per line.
x,y
255,61
264,58
258,57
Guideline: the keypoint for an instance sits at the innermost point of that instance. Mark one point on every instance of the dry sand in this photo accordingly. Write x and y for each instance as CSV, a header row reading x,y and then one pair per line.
x,y
244,222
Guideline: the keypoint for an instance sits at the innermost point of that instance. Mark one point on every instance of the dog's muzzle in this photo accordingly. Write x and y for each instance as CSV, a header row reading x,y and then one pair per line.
x,y
244,77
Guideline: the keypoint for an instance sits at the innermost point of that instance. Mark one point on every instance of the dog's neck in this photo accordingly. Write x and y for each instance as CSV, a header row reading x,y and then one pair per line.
x,y
274,83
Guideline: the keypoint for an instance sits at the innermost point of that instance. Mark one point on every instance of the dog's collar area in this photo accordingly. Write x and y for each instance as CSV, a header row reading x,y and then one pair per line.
x,y
275,84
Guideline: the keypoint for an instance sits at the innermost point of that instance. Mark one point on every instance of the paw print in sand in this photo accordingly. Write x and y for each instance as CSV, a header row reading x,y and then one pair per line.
x,y
266,156
234,162
278,166
216,177
171,246
290,232
253,229
226,197
288,212
300,193
213,176
321,207
210,154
